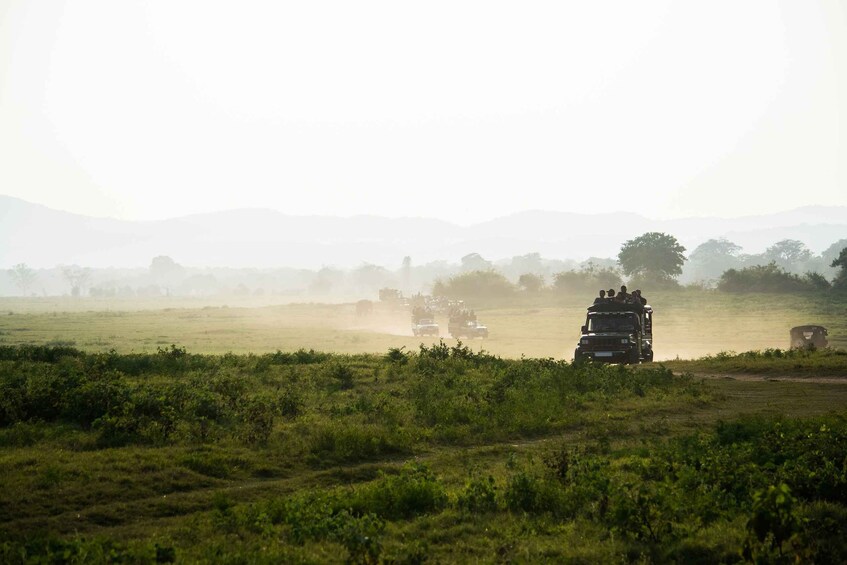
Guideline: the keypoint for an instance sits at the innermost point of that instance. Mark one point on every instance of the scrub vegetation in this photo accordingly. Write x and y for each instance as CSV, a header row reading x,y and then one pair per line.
x,y
441,453
771,362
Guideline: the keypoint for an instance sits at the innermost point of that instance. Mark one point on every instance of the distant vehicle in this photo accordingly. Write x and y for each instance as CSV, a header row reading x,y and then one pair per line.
x,y
364,308
470,329
804,337
463,323
390,295
423,322
425,326
616,332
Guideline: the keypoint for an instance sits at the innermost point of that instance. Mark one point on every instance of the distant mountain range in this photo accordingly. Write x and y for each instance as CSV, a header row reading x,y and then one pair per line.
x,y
43,237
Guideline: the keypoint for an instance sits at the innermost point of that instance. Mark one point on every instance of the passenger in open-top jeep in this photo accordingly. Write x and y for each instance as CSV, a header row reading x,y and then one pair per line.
x,y
463,323
423,322
617,332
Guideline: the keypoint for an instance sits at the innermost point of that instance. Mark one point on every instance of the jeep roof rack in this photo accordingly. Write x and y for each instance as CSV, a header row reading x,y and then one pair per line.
x,y
607,307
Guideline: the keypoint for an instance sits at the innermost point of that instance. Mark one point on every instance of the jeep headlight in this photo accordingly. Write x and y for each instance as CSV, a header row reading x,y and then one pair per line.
x,y
625,340
583,342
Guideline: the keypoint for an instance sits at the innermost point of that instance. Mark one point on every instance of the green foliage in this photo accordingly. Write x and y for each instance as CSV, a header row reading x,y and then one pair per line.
x,y
788,253
652,257
252,459
769,278
299,357
23,277
840,281
817,281
476,285
479,495
773,522
397,355
330,443
257,415
342,375
531,282
775,361
588,279
37,353
313,516
39,549
414,490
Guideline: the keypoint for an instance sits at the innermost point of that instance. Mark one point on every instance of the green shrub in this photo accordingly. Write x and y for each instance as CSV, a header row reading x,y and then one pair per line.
x,y
342,375
774,521
526,492
38,549
768,278
413,491
299,357
478,495
258,414
335,442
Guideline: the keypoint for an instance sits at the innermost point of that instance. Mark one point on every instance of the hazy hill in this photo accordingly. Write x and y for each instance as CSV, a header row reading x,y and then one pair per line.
x,y
43,237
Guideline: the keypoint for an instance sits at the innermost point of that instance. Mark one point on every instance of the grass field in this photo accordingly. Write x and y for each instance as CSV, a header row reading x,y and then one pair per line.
x,y
443,455
688,324
247,446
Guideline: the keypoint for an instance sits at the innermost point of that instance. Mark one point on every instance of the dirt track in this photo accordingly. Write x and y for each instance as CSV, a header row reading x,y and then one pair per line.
x,y
775,378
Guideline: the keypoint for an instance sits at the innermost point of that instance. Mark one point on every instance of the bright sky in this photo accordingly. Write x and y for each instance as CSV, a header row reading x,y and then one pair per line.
x,y
457,110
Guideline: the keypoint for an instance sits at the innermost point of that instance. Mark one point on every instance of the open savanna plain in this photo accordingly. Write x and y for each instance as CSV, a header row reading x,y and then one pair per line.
x,y
688,324
301,433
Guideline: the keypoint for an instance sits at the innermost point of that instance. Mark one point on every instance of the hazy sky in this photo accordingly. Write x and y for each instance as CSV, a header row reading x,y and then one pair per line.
x,y
458,110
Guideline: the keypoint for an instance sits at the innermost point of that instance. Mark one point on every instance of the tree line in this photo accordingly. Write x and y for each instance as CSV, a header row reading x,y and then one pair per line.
x,y
652,260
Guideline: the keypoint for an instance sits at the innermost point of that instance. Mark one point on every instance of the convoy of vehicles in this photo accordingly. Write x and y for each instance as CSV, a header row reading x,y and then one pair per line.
x,y
462,323
616,332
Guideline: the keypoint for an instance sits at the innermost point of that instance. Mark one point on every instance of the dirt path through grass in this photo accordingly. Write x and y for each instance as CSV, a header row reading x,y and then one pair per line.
x,y
776,378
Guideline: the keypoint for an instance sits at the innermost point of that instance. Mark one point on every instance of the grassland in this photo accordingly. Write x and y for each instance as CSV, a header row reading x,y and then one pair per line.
x,y
247,445
440,454
689,324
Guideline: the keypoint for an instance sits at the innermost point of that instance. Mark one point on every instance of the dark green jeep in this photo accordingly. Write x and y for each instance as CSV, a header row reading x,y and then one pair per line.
x,y
616,332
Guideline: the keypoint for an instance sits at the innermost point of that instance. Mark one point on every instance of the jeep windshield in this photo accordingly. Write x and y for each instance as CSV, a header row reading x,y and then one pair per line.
x,y
612,324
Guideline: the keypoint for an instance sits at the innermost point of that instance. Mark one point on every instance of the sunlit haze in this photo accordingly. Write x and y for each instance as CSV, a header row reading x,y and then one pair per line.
x,y
463,111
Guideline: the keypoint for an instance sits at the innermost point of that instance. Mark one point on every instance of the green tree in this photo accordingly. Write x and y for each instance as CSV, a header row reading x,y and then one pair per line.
x,y
790,254
78,277
840,281
326,280
474,285
529,263
475,262
531,282
590,278
23,276
832,252
166,272
711,258
655,258
769,278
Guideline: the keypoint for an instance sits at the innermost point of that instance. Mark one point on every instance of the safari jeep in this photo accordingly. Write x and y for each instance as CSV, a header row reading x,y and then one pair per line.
x,y
616,332
425,326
